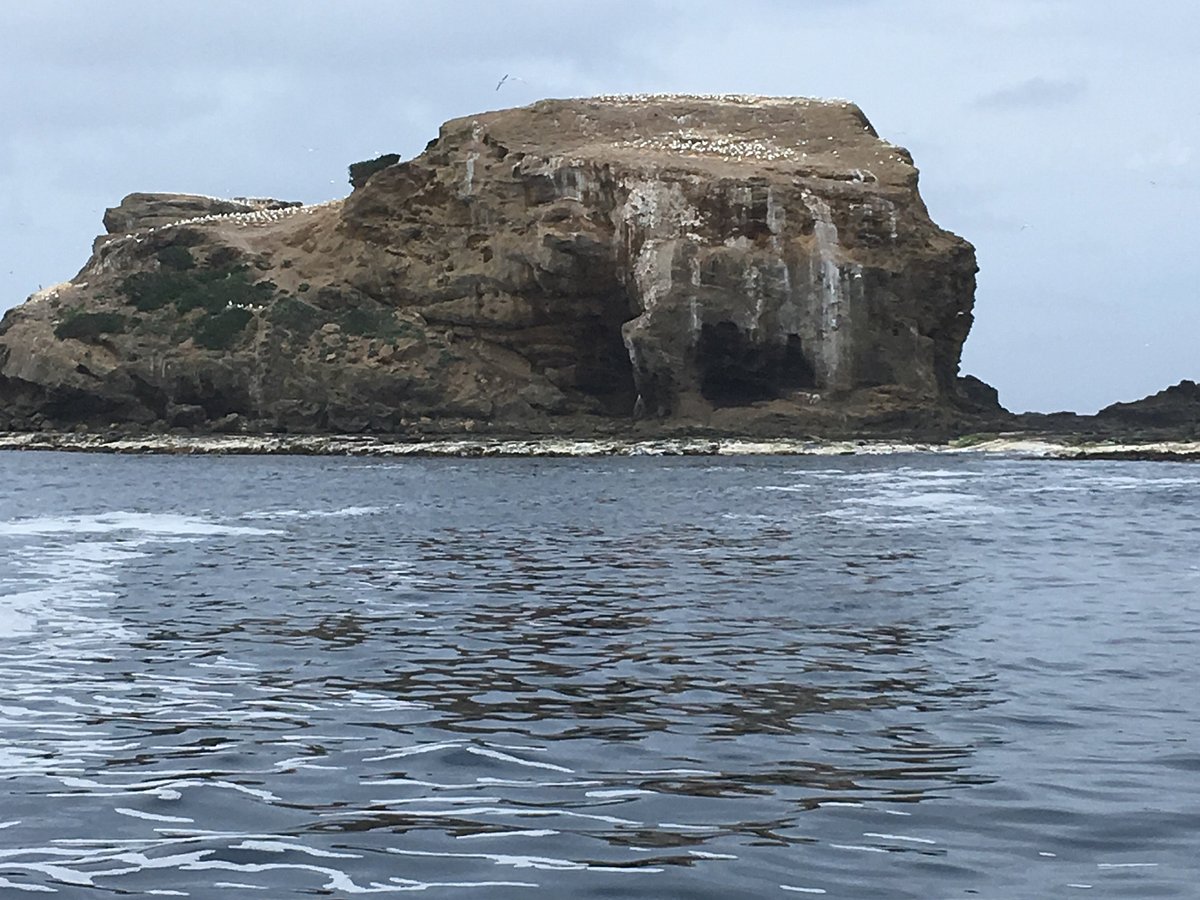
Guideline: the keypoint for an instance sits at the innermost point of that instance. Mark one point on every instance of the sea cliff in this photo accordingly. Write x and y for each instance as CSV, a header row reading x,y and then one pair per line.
x,y
743,264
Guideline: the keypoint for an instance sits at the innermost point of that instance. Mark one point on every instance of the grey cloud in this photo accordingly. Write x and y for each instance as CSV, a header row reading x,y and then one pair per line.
x,y
1034,93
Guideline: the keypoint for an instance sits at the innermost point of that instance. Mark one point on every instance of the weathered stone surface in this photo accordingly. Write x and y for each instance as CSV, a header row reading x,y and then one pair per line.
x,y
140,212
1176,409
734,263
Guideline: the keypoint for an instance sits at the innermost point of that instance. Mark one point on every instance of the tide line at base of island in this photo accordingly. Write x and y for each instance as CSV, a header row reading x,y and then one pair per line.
x,y
1016,445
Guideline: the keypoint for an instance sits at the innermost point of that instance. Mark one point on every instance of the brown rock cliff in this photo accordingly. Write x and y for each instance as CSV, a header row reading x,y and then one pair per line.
x,y
737,263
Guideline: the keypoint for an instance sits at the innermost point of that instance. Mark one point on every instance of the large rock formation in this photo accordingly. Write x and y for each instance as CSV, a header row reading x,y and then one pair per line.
x,y
1175,409
142,212
740,263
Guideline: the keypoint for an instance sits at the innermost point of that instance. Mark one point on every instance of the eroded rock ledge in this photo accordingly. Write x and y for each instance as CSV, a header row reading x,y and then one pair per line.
x,y
744,264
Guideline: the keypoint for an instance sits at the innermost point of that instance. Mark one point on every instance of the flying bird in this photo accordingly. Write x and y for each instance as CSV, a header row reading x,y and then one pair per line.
x,y
507,78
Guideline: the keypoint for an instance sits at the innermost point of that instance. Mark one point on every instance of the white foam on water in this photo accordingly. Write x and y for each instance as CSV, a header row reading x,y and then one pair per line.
x,y
904,506
897,837
303,514
415,750
859,847
340,881
626,792
320,738
531,747
932,500
513,782
144,524
376,701
287,847
152,817
529,832
802,890
505,757
679,826
1136,482
521,861
19,612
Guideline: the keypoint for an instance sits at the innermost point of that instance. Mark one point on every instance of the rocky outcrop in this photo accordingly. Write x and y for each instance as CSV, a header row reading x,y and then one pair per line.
x,y
1175,409
736,263
361,171
142,212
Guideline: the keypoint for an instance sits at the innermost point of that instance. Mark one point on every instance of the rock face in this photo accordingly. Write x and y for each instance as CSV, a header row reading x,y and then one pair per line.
x,y
1176,409
141,212
739,263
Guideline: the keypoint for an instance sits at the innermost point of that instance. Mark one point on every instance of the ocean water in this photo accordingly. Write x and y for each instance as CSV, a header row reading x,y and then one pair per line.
x,y
902,677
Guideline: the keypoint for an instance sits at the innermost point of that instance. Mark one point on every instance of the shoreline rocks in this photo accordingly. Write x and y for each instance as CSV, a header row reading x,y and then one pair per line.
x,y
1021,446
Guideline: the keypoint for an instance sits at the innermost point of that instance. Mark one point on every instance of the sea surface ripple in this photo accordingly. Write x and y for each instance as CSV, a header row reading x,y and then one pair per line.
x,y
884,677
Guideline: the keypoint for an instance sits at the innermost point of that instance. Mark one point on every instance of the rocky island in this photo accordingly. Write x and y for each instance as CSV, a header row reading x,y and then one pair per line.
x,y
640,265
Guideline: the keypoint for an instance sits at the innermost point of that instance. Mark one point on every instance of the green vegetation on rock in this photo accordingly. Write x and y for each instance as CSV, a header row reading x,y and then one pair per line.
x,y
220,331
87,326
176,257
300,319
209,289
296,317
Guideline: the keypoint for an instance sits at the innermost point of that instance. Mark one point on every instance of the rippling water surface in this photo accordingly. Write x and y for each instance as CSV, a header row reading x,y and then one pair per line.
x,y
902,677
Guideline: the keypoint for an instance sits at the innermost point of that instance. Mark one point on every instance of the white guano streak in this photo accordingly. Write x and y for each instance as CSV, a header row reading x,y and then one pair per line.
x,y
828,278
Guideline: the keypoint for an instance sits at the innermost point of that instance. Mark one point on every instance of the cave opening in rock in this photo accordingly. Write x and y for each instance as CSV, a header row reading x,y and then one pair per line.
x,y
732,370
795,369
603,369
736,371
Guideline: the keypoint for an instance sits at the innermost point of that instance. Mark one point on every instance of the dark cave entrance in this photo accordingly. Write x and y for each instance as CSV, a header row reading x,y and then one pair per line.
x,y
734,371
603,369
795,369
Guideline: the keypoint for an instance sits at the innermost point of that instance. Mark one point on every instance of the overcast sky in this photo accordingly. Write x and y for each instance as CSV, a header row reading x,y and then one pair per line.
x,y
1061,137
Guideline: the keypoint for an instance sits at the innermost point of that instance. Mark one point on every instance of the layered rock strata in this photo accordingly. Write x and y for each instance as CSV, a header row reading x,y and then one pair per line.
x,y
738,263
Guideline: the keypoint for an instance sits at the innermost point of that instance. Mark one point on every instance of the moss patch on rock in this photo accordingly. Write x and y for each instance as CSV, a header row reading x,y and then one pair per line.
x,y
176,257
221,331
297,318
209,289
87,326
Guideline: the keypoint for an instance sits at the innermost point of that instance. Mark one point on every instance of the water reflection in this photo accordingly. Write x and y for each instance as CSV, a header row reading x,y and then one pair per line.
x,y
485,680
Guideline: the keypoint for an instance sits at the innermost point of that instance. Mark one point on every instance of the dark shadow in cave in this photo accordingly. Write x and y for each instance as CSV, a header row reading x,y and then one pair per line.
x,y
735,371
603,369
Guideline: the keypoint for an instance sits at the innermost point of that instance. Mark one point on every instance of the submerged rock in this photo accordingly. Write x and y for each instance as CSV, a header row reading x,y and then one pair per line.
x,y
738,263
